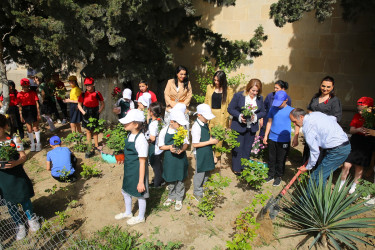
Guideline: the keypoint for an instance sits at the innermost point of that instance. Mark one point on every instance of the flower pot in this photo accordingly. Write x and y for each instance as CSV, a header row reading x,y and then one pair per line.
x,y
120,157
178,148
263,163
108,158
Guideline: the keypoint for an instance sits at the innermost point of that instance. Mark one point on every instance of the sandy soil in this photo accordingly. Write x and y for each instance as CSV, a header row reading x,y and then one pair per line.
x,y
100,199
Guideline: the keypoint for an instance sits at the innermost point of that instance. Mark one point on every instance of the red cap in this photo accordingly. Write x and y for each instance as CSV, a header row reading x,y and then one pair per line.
x,y
25,82
365,101
88,81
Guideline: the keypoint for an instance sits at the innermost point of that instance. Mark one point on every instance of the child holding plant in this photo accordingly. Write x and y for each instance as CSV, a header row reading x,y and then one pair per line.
x,y
135,182
202,142
15,185
362,144
124,104
29,113
173,140
155,154
91,104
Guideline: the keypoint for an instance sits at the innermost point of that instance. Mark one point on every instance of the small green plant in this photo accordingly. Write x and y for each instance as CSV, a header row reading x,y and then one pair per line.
x,y
213,195
366,188
179,137
64,174
62,217
97,126
89,171
246,224
72,203
254,173
51,190
328,214
227,136
115,138
77,140
8,151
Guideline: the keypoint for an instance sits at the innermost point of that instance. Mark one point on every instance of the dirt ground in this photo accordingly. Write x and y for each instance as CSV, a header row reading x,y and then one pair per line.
x,y
100,199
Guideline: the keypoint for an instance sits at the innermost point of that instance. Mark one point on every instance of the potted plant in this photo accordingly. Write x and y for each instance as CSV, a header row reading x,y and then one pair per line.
x,y
8,152
60,92
227,136
259,151
368,115
115,140
178,138
247,112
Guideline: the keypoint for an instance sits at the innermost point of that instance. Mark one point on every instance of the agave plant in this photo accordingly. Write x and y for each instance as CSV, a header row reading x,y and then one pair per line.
x,y
328,213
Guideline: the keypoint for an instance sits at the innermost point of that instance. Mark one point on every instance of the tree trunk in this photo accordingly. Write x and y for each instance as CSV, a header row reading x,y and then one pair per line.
x,y
3,81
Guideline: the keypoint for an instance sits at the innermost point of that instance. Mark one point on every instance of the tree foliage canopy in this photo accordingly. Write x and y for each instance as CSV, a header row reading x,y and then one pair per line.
x,y
122,38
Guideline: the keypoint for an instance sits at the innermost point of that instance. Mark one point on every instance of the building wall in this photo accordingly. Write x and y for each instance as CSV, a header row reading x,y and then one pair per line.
x,y
301,53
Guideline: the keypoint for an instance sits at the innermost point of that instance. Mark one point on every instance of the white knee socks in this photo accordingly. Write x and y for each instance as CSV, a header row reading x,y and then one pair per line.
x,y
31,137
128,205
128,202
50,122
37,137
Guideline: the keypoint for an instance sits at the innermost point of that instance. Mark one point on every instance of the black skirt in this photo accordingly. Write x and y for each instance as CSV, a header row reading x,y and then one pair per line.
x,y
362,148
75,114
90,113
47,107
29,113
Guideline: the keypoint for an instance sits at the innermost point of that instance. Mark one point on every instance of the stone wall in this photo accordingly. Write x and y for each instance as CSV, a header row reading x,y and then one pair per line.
x,y
301,53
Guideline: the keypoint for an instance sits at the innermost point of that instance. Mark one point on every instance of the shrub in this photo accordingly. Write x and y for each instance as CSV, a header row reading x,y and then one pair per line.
x,y
259,150
366,188
227,136
115,138
96,125
78,141
254,173
327,213
89,171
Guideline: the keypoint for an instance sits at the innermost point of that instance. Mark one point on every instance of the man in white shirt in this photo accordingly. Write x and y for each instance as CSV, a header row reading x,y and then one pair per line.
x,y
321,130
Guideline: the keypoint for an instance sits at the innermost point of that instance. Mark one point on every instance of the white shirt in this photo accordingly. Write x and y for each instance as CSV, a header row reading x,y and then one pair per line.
x,y
141,144
171,131
252,101
196,132
153,130
321,130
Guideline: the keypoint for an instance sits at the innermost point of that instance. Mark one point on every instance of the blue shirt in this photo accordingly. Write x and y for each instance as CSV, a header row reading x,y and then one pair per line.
x,y
321,130
281,124
61,161
269,100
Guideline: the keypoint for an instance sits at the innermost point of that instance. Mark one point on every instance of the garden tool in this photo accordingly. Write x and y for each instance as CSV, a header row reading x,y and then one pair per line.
x,y
272,207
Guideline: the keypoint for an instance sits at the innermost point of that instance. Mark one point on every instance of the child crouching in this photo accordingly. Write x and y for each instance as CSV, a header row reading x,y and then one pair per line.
x,y
135,182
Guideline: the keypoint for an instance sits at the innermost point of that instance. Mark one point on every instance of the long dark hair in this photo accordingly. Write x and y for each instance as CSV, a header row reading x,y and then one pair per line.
x,y
11,83
223,83
282,84
157,109
186,80
328,79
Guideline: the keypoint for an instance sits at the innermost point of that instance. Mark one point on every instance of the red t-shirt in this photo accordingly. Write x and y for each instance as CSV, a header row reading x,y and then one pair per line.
x,y
90,100
153,96
357,122
59,84
27,98
13,99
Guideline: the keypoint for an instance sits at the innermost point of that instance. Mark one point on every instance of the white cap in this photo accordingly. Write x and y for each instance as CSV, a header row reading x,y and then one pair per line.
x,y
145,99
127,94
179,117
179,106
205,110
134,115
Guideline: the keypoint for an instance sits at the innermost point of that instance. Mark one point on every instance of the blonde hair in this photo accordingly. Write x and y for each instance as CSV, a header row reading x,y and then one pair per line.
x,y
252,83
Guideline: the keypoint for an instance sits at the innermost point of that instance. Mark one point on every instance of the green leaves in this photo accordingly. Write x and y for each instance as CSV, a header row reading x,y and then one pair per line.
x,y
327,212
77,139
254,173
89,171
115,138
227,136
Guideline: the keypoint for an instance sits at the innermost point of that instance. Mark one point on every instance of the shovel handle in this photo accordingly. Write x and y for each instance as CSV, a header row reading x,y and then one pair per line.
x,y
283,192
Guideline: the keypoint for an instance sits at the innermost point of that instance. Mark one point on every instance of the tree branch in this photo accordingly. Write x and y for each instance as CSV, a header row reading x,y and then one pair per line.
x,y
11,29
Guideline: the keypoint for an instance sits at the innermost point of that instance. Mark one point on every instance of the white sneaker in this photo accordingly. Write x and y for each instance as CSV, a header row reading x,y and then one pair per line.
x,y
64,121
59,121
38,147
168,202
32,147
135,220
178,205
21,232
123,215
370,202
34,224
352,190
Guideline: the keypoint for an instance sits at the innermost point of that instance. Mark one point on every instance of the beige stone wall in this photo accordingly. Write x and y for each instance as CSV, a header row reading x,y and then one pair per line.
x,y
301,53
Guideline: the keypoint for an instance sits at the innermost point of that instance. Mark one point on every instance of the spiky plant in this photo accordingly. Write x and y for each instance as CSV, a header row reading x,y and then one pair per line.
x,y
327,213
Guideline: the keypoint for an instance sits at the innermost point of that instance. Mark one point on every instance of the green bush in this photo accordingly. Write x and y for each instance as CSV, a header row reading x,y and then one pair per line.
x,y
115,138
328,214
227,136
365,188
97,126
89,171
78,141
254,173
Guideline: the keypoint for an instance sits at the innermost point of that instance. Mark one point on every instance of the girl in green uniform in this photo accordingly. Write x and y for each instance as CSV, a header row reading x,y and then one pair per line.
x,y
203,152
135,182
15,185
175,164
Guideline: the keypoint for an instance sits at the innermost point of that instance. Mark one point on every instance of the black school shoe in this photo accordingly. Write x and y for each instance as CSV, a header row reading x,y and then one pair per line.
x,y
89,154
277,182
268,179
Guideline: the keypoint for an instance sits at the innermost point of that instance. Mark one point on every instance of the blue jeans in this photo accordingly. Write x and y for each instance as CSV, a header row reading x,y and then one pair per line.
x,y
16,216
332,161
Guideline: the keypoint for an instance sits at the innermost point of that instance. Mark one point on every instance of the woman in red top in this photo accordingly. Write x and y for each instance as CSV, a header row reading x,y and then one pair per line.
x,y
14,115
143,87
362,145
29,111
91,104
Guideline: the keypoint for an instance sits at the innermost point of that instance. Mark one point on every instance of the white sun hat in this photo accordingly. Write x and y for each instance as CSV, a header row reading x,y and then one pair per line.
x,y
179,117
205,110
127,94
134,115
145,99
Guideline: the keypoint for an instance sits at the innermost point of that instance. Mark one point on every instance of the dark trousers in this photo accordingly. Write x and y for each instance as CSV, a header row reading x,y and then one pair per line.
x,y
54,110
246,140
15,121
63,108
277,153
157,166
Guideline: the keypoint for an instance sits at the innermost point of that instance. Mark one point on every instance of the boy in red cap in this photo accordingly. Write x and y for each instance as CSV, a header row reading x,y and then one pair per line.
x,y
91,104
362,145
29,113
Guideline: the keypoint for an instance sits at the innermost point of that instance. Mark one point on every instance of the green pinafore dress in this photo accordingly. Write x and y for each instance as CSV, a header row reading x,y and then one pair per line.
x,y
131,170
175,166
205,158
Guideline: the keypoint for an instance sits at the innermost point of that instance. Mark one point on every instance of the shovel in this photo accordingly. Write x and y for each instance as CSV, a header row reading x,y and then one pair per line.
x,y
272,207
